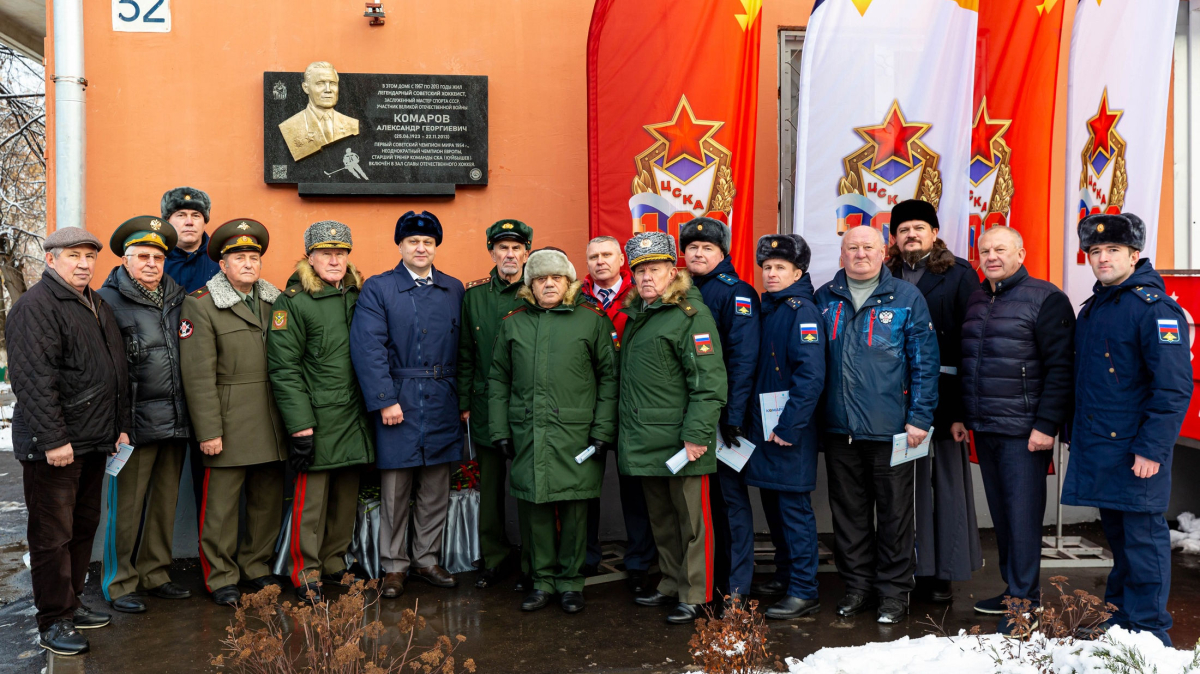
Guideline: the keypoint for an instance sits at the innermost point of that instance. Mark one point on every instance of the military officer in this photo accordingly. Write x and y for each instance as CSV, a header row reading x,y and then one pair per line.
x,y
308,352
735,306
223,346
673,387
1133,383
485,302
552,394
147,304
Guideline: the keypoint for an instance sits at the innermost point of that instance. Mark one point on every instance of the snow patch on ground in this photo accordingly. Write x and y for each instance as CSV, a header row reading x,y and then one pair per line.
x,y
986,654
1187,538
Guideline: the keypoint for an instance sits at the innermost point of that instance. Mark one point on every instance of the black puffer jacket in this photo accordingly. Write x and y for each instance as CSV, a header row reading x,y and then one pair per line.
x,y
1018,357
151,337
67,367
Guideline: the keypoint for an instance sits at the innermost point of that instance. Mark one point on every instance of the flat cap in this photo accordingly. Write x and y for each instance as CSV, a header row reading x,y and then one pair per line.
x,y
790,247
913,209
706,230
1126,229
327,234
238,235
650,247
69,237
418,224
514,230
182,198
143,230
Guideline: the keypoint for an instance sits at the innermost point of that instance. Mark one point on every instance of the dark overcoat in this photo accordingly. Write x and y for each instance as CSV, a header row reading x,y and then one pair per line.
x,y
404,345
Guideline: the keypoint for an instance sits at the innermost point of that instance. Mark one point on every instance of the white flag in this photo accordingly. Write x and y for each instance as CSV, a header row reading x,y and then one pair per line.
x,y
884,116
1117,96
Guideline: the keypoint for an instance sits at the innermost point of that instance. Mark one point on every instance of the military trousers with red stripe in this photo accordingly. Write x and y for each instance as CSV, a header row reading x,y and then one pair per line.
x,y
324,506
224,559
681,520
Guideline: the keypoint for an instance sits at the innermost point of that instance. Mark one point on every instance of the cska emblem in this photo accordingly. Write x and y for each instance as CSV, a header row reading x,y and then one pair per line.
x,y
1102,180
990,176
891,166
684,174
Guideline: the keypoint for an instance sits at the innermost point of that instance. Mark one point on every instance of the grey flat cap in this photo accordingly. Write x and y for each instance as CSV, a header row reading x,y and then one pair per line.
x,y
69,237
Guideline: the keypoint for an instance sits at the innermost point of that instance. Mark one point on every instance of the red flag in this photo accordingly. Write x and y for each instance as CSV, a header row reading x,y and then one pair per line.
x,y
672,112
1016,70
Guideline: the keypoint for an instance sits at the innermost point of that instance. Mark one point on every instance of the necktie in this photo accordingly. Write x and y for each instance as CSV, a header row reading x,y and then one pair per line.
x,y
606,297
422,281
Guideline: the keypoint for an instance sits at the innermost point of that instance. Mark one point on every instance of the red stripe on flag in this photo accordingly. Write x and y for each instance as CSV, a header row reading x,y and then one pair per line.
x,y
204,565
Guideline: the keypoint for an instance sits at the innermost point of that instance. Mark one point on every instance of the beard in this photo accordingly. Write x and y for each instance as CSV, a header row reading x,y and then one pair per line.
x,y
912,257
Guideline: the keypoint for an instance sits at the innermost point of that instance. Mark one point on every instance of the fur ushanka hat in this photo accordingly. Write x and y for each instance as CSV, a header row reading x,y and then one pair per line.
x,y
1126,229
547,261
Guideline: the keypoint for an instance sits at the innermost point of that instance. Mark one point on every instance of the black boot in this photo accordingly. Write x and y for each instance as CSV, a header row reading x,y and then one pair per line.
x,y
793,607
571,601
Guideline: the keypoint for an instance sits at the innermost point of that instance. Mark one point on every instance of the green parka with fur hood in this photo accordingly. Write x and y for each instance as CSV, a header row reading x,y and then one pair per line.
x,y
553,386
308,355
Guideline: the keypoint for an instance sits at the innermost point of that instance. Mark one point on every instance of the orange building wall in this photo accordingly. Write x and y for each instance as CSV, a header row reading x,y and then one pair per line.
x,y
185,108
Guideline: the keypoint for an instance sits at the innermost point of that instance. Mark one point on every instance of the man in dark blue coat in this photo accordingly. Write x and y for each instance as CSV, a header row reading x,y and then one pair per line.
x,y
881,378
1133,383
791,360
704,243
404,342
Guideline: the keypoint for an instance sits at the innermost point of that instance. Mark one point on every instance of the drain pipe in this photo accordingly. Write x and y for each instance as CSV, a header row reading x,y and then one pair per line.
x,y
70,139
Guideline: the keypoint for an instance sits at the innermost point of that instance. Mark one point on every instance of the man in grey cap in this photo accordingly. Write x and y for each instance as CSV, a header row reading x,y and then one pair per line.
x,y
68,370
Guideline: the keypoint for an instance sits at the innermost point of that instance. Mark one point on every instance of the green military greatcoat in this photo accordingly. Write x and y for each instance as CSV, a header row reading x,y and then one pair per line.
x,y
673,383
223,349
485,303
308,351
553,385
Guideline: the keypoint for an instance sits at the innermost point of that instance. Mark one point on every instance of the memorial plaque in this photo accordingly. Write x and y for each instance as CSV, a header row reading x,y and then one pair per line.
x,y
336,133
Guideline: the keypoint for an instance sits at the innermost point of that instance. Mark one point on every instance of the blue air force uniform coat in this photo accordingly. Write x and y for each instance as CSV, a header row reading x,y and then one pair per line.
x,y
1133,382
404,345
792,359
734,305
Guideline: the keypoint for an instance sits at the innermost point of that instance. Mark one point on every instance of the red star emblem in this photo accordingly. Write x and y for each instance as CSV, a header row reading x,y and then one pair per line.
x,y
684,134
893,139
984,134
1101,127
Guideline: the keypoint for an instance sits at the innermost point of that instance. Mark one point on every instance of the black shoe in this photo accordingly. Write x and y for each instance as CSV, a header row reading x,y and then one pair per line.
x,y
62,639
309,593
769,588
523,584
655,598
636,581
336,579
536,600
169,590
993,606
128,604
683,614
892,611
227,595
492,576
262,582
793,607
933,590
853,604
87,619
571,601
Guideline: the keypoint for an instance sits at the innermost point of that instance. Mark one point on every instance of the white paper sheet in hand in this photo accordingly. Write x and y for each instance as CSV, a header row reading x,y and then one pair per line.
x,y
677,462
117,461
902,453
734,457
583,456
771,406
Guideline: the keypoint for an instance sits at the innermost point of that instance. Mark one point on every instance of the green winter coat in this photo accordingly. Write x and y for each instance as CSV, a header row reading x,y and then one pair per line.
x,y
673,382
553,386
486,302
308,353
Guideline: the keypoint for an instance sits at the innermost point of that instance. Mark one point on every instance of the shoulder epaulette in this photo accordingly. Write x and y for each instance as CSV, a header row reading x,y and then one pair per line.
x,y
727,279
514,312
1146,294
478,282
292,291
794,302
688,308
594,308
201,292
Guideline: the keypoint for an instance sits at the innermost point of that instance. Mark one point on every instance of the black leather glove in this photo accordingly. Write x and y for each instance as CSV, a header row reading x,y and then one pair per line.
x,y
600,445
303,452
730,435
505,447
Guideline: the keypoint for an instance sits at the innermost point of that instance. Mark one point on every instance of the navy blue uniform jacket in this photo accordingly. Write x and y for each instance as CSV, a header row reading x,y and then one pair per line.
x,y
1133,383
792,359
882,360
734,305
191,270
404,345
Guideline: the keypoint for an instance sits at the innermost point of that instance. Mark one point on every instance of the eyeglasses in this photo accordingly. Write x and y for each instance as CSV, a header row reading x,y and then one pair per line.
x,y
147,257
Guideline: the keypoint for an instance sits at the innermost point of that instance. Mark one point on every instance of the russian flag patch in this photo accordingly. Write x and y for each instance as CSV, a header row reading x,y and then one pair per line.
x,y
742,305
703,344
808,333
1168,331
616,341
